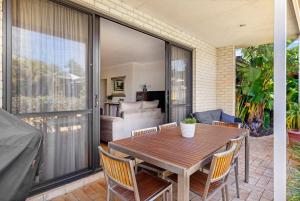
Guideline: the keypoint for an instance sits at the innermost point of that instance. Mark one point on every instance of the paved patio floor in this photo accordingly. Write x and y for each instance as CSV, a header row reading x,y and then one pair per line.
x,y
259,188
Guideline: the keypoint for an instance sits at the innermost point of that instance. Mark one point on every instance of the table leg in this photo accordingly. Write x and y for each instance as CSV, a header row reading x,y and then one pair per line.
x,y
183,187
247,158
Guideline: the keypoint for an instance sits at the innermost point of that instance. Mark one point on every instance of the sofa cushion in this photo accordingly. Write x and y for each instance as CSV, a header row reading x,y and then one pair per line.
x,y
150,104
127,106
142,113
227,118
208,117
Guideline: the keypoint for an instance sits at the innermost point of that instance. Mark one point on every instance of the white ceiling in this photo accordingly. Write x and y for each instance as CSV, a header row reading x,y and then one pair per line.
x,y
218,21
120,45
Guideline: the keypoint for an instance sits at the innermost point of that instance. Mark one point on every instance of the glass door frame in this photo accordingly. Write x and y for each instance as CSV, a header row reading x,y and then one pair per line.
x,y
168,47
93,91
94,57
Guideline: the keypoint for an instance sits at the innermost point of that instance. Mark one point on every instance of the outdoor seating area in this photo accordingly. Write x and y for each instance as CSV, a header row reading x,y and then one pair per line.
x,y
260,186
139,100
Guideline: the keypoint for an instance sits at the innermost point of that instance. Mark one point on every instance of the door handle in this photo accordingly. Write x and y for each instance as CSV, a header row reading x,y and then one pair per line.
x,y
96,100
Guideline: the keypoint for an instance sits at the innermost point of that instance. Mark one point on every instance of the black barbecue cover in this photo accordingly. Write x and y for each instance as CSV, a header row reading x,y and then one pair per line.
x,y
20,150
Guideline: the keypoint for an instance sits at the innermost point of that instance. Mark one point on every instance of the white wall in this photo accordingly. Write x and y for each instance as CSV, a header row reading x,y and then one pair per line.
x,y
117,71
137,74
152,74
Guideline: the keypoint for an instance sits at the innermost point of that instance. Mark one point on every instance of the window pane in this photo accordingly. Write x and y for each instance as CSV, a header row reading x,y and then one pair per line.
x,y
180,96
65,144
180,62
50,74
49,57
178,113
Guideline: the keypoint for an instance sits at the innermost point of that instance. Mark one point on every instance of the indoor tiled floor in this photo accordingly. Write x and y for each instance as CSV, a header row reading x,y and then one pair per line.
x,y
260,186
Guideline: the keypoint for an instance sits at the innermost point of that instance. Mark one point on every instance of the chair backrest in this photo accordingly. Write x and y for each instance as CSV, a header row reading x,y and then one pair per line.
x,y
238,142
144,131
168,125
119,171
222,123
219,168
221,164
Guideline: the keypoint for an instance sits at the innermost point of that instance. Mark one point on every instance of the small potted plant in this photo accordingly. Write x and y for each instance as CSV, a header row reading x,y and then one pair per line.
x,y
188,127
293,122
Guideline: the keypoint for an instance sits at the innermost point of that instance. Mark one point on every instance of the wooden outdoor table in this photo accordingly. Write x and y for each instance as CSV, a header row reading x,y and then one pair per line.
x,y
184,156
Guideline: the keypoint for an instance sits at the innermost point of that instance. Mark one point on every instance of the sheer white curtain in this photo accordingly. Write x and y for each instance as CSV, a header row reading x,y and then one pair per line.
x,y
180,93
49,74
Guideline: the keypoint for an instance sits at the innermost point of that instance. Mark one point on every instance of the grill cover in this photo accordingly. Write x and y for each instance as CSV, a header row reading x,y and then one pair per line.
x,y
20,150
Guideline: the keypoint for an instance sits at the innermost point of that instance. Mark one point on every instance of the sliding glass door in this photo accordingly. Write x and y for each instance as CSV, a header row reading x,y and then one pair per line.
x,y
179,83
51,82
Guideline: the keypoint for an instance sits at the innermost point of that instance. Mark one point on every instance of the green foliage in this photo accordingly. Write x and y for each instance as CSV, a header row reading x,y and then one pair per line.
x,y
255,85
267,120
293,116
294,175
294,185
190,121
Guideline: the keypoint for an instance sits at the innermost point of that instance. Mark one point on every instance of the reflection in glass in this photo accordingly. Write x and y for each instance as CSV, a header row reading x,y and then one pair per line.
x,y
65,144
50,74
49,57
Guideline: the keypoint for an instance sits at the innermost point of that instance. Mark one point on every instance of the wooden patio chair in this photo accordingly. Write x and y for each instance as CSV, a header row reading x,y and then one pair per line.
x,y
126,185
238,142
207,185
168,125
144,131
144,165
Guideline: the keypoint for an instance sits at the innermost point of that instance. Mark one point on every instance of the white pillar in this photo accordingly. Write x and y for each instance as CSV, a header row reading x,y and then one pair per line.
x,y
280,100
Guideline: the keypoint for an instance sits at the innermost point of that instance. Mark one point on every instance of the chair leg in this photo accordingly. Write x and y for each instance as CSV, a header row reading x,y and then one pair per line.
x,y
136,168
223,195
108,194
165,196
170,194
226,193
236,170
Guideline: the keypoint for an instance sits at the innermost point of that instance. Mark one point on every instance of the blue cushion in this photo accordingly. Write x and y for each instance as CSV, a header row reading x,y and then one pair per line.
x,y
227,118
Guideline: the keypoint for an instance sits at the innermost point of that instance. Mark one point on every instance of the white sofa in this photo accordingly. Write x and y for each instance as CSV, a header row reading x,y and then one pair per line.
x,y
136,115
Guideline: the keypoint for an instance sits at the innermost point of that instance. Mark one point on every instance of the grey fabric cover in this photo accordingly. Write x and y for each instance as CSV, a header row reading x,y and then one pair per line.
x,y
227,118
20,146
208,117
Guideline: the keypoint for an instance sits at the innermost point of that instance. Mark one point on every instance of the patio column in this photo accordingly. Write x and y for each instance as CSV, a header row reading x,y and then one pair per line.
x,y
280,100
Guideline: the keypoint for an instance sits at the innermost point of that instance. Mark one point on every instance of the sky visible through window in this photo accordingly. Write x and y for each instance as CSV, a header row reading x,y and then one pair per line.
x,y
50,49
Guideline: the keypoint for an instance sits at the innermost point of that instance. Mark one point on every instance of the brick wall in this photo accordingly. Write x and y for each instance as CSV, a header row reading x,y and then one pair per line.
x,y
226,79
205,56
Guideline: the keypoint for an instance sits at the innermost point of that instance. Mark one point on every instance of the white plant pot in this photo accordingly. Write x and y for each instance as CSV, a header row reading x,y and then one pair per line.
x,y
187,130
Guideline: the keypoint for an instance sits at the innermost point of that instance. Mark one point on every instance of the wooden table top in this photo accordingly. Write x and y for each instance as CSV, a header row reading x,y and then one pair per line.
x,y
169,147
